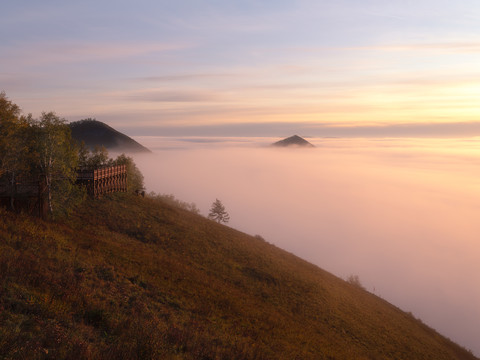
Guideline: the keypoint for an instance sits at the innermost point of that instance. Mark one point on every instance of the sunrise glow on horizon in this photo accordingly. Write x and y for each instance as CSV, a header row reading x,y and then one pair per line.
x,y
160,66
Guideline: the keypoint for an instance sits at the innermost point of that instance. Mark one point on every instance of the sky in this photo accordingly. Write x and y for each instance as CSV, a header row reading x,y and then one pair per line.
x,y
248,68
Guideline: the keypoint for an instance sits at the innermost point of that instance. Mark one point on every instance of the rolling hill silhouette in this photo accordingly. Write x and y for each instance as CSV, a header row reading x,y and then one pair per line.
x,y
96,133
293,141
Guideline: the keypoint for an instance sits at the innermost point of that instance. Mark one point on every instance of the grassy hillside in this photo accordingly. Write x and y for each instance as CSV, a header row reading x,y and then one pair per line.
x,y
133,278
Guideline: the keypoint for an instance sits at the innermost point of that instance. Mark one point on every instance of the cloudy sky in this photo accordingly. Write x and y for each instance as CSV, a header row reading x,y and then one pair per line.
x,y
266,68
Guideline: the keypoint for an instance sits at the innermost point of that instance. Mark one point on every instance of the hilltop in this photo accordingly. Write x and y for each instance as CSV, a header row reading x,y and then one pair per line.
x,y
96,133
294,141
139,278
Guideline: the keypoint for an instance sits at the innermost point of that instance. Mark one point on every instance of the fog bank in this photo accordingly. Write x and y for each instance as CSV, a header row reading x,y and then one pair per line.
x,y
402,214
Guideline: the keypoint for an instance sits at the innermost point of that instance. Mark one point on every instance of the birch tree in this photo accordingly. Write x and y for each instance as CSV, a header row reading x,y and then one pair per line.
x,y
56,158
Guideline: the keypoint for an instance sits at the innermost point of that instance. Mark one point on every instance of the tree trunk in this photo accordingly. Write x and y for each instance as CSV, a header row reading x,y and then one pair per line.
x,y
49,194
13,191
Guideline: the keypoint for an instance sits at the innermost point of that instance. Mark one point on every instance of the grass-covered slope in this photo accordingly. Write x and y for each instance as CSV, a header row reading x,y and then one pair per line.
x,y
134,278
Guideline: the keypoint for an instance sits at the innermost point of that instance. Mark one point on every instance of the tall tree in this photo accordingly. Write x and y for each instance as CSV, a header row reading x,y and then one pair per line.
x,y
56,158
134,175
93,159
218,212
99,157
13,144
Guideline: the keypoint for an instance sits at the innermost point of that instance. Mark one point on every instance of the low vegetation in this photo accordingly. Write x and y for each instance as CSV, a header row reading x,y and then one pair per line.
x,y
355,280
127,277
170,199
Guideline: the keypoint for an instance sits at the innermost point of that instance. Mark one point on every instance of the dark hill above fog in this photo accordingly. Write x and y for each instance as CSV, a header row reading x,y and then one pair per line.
x,y
96,133
126,277
293,141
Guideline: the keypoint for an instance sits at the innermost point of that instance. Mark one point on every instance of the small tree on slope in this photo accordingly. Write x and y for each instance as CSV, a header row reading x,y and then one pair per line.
x,y
218,213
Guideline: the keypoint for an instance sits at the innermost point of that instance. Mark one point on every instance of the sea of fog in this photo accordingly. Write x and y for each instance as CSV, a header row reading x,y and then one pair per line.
x,y
402,214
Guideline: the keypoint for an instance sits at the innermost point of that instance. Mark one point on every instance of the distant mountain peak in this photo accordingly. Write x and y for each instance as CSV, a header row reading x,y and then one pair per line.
x,y
96,133
294,140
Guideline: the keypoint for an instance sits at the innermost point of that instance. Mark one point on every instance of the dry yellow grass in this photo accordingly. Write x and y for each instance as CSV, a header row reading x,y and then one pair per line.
x,y
136,278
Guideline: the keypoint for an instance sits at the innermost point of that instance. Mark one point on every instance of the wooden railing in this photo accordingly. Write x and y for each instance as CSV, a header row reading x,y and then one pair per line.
x,y
104,180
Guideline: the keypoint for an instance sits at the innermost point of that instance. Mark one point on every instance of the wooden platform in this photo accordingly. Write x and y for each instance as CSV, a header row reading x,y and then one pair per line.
x,y
104,180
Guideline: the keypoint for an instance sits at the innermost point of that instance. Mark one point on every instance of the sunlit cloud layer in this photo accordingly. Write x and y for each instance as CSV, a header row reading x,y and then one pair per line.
x,y
202,64
400,213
